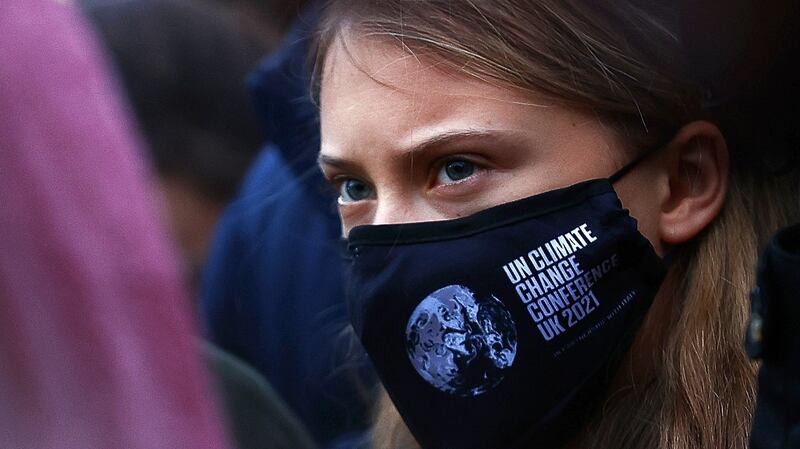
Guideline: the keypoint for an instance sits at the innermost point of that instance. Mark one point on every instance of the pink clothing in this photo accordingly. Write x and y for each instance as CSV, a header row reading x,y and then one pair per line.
x,y
97,349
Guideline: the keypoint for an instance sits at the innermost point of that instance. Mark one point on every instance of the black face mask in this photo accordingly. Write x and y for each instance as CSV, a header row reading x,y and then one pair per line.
x,y
502,329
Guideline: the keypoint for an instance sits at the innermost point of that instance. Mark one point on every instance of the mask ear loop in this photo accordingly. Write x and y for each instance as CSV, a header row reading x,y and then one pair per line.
x,y
644,155
632,164
667,258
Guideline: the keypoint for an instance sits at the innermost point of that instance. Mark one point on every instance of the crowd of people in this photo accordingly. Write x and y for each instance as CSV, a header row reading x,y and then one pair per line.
x,y
439,224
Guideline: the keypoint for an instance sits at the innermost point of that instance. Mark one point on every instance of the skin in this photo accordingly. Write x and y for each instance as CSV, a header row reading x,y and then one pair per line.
x,y
393,123
396,136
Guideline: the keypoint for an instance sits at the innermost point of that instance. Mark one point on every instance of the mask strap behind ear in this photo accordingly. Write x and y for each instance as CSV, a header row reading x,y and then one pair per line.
x,y
644,155
668,258
631,165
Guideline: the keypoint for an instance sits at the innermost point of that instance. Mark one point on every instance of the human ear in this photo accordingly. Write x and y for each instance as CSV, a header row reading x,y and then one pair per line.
x,y
696,168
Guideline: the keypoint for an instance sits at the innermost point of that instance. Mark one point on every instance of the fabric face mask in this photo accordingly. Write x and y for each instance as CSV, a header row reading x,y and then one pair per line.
x,y
502,329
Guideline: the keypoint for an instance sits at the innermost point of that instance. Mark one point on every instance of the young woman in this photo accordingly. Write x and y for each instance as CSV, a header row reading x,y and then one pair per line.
x,y
504,295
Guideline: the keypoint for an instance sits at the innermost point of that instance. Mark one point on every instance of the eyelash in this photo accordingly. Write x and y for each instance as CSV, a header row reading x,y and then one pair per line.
x,y
337,182
442,165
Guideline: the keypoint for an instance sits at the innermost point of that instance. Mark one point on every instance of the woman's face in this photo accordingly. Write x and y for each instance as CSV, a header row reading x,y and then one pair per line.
x,y
404,141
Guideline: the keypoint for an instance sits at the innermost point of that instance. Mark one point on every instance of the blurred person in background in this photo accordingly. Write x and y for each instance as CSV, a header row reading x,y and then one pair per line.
x,y
773,338
183,64
272,292
763,114
268,19
97,342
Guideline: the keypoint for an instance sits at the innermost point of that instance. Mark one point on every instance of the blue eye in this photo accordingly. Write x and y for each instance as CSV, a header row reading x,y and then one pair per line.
x,y
352,190
455,171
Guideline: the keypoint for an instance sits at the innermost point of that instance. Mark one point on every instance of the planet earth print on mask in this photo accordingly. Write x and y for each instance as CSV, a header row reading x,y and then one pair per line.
x,y
459,344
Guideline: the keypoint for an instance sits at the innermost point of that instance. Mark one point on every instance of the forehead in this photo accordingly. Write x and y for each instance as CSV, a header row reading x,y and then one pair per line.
x,y
374,92
393,67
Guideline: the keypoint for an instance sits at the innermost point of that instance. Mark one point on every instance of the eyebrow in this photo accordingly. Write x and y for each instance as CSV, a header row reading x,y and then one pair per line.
x,y
437,140
450,137
343,164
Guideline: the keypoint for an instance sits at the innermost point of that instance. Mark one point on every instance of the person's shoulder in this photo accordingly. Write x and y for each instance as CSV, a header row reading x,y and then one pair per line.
x,y
257,417
269,170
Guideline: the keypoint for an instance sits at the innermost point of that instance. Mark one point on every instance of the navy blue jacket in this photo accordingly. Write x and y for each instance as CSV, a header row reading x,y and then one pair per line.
x,y
272,291
774,337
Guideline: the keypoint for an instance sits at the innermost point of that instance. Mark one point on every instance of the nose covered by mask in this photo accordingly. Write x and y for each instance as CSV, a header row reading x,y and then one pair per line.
x,y
502,329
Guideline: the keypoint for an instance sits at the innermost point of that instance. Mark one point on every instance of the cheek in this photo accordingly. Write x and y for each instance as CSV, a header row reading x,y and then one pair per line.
x,y
641,197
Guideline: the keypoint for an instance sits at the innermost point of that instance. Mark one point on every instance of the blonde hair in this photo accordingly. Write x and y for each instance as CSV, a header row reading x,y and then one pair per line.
x,y
624,63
